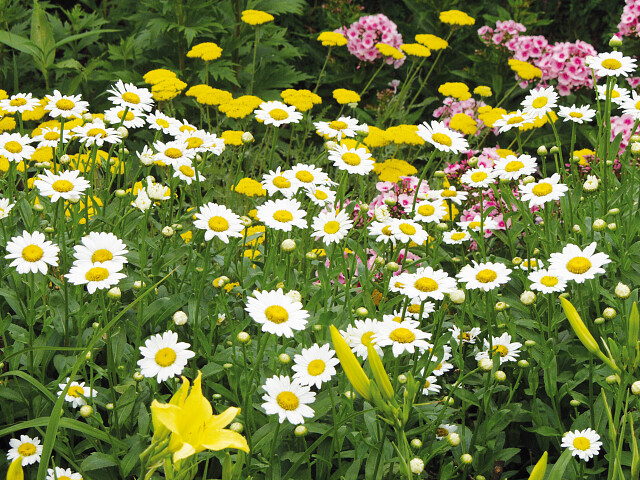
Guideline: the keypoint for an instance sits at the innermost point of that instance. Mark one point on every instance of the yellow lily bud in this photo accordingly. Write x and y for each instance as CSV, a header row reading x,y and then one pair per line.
x,y
160,432
579,327
539,470
350,364
379,373
15,471
634,326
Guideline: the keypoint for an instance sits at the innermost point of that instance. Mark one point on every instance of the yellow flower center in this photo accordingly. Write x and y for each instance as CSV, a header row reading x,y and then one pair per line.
x,y
282,216
351,159
162,122
194,142
218,224
64,104
304,176
530,263
18,102
486,276
367,339
539,102
187,170
407,229
425,284
615,94
387,230
288,401
187,128
402,335
129,116
581,443
578,265
442,432
279,114
338,125
542,189
580,115
62,186
97,132
173,152
413,308
276,314
102,255
449,193
75,391
13,147
501,349
27,449
442,139
281,182
427,384
52,136
514,166
473,225
64,477
549,281
458,236
426,210
331,227
131,97
465,336
97,274
478,176
165,357
316,367
320,195
516,119
32,253
611,64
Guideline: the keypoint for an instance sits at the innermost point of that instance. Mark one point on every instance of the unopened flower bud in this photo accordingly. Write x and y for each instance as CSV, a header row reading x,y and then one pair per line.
x,y
389,201
554,150
485,364
288,245
300,431
49,230
612,226
615,42
180,318
392,267
542,150
528,179
599,321
611,379
622,290
635,387
86,411
138,284
220,281
576,228
416,443
216,396
244,337
500,306
362,312
330,145
454,439
473,162
246,221
457,296
614,211
247,137
456,259
120,193
500,376
402,379
227,366
439,174
95,325
516,260
609,313
574,402
530,343
109,406
138,377
167,232
236,427
442,226
379,261
284,358
599,224
466,459
528,297
317,327
416,465
294,295
311,255
635,148
349,394
382,214
523,363
122,131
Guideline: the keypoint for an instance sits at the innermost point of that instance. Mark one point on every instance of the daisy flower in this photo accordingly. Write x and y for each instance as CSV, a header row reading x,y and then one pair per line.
x,y
62,474
65,106
403,336
382,232
361,334
442,137
413,310
276,312
545,281
466,337
15,147
163,356
512,167
531,264
575,114
32,253
442,366
218,221
583,444
444,430
77,393
427,211
279,181
315,365
49,137
484,276
179,128
66,185
101,247
576,264
309,175
331,226
405,230
96,133
539,102
320,195
128,95
96,276
289,399
132,119
183,169
28,448
202,141
170,152
343,127
5,208
512,120
618,94
479,177
428,283
502,345
356,161
397,317
631,105
610,64
543,191
19,103
277,113
475,224
456,196
430,385
454,237
282,214
160,121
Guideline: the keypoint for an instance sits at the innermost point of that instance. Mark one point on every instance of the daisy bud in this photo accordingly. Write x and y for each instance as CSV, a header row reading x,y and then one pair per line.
x,y
485,364
591,184
609,313
109,406
528,297
280,285
576,228
138,377
454,439
480,477
180,318
392,267
352,105
500,306
215,396
611,379
86,411
317,328
64,159
528,179
614,211
247,137
236,427
167,232
439,174
473,161
554,150
138,284
635,148
362,312
635,387
120,193
416,465
615,42
457,296
574,402
294,295
311,255
599,224
220,281
227,366
542,150
575,159
622,290
500,376
516,260
599,321
364,207
114,293
379,261
466,459
199,158
349,394
300,431
390,202
416,443
95,325
608,163
612,226
244,337
402,379
246,221
38,207
330,145
122,131
536,251
442,226
381,214
49,230
284,358
288,245
200,269
363,129
523,363
456,259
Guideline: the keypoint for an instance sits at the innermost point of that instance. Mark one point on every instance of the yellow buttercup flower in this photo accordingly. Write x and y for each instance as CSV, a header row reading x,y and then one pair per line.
x,y
332,39
432,42
456,17
256,17
207,51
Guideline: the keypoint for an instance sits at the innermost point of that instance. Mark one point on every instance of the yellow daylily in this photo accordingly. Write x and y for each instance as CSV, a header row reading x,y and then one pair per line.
x,y
350,364
193,425
15,471
583,333
379,373
539,470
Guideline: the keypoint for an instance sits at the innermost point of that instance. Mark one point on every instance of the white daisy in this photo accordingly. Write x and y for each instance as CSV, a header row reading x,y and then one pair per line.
x,y
539,102
276,312
308,175
160,121
512,167
62,474
66,185
218,221
484,276
382,232
576,264
356,161
179,128
413,310
338,129
444,430
31,252
320,195
96,276
142,201
403,336
545,281
430,385
202,141
170,152
405,230
65,106
441,366
451,193
289,399
575,114
183,169
442,137
101,247
427,283
361,334
277,113
631,105
77,393
331,226
583,444
543,191
5,208
531,264
454,237
427,211
132,119
282,214
502,346
49,137
610,64
163,356
19,103
479,177
315,365
279,181
512,120
128,95
468,336
28,448
15,147
96,133
475,224
618,94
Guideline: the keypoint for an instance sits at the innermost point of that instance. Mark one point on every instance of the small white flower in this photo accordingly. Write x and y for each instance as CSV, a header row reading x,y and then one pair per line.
x,y
289,399
28,448
583,444
163,356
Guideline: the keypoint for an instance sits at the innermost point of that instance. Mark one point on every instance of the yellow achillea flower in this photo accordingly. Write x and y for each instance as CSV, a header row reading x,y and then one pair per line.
x,y
7,124
344,96
241,106
456,90
432,42
3,94
463,123
582,154
187,236
539,122
230,286
43,154
320,252
92,210
392,169
302,99
456,17
490,115
193,426
232,137
250,188
37,113
405,135
505,152
207,51
253,214
376,138
415,50
524,70
389,51
159,74
257,232
167,89
350,364
256,17
332,39
483,91
206,95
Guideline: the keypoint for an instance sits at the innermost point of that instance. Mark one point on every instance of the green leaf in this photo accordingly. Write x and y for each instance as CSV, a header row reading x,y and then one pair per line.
x,y
20,43
98,460
561,465
35,383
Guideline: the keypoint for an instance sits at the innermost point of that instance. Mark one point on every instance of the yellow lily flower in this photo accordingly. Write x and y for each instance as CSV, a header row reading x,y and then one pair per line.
x,y
539,470
350,364
15,471
583,333
379,373
193,425
159,430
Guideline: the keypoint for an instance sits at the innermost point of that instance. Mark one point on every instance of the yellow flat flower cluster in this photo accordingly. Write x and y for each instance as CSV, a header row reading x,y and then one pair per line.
x,y
525,70
456,90
206,51
303,99
432,42
332,39
456,17
256,17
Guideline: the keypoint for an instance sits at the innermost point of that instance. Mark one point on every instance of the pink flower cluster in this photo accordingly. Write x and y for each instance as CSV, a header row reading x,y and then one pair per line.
x,y
451,107
630,20
502,33
486,158
402,193
622,124
363,35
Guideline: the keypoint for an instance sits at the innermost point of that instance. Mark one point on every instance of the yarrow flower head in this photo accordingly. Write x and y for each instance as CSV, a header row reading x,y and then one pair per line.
x,y
206,51
256,17
456,17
